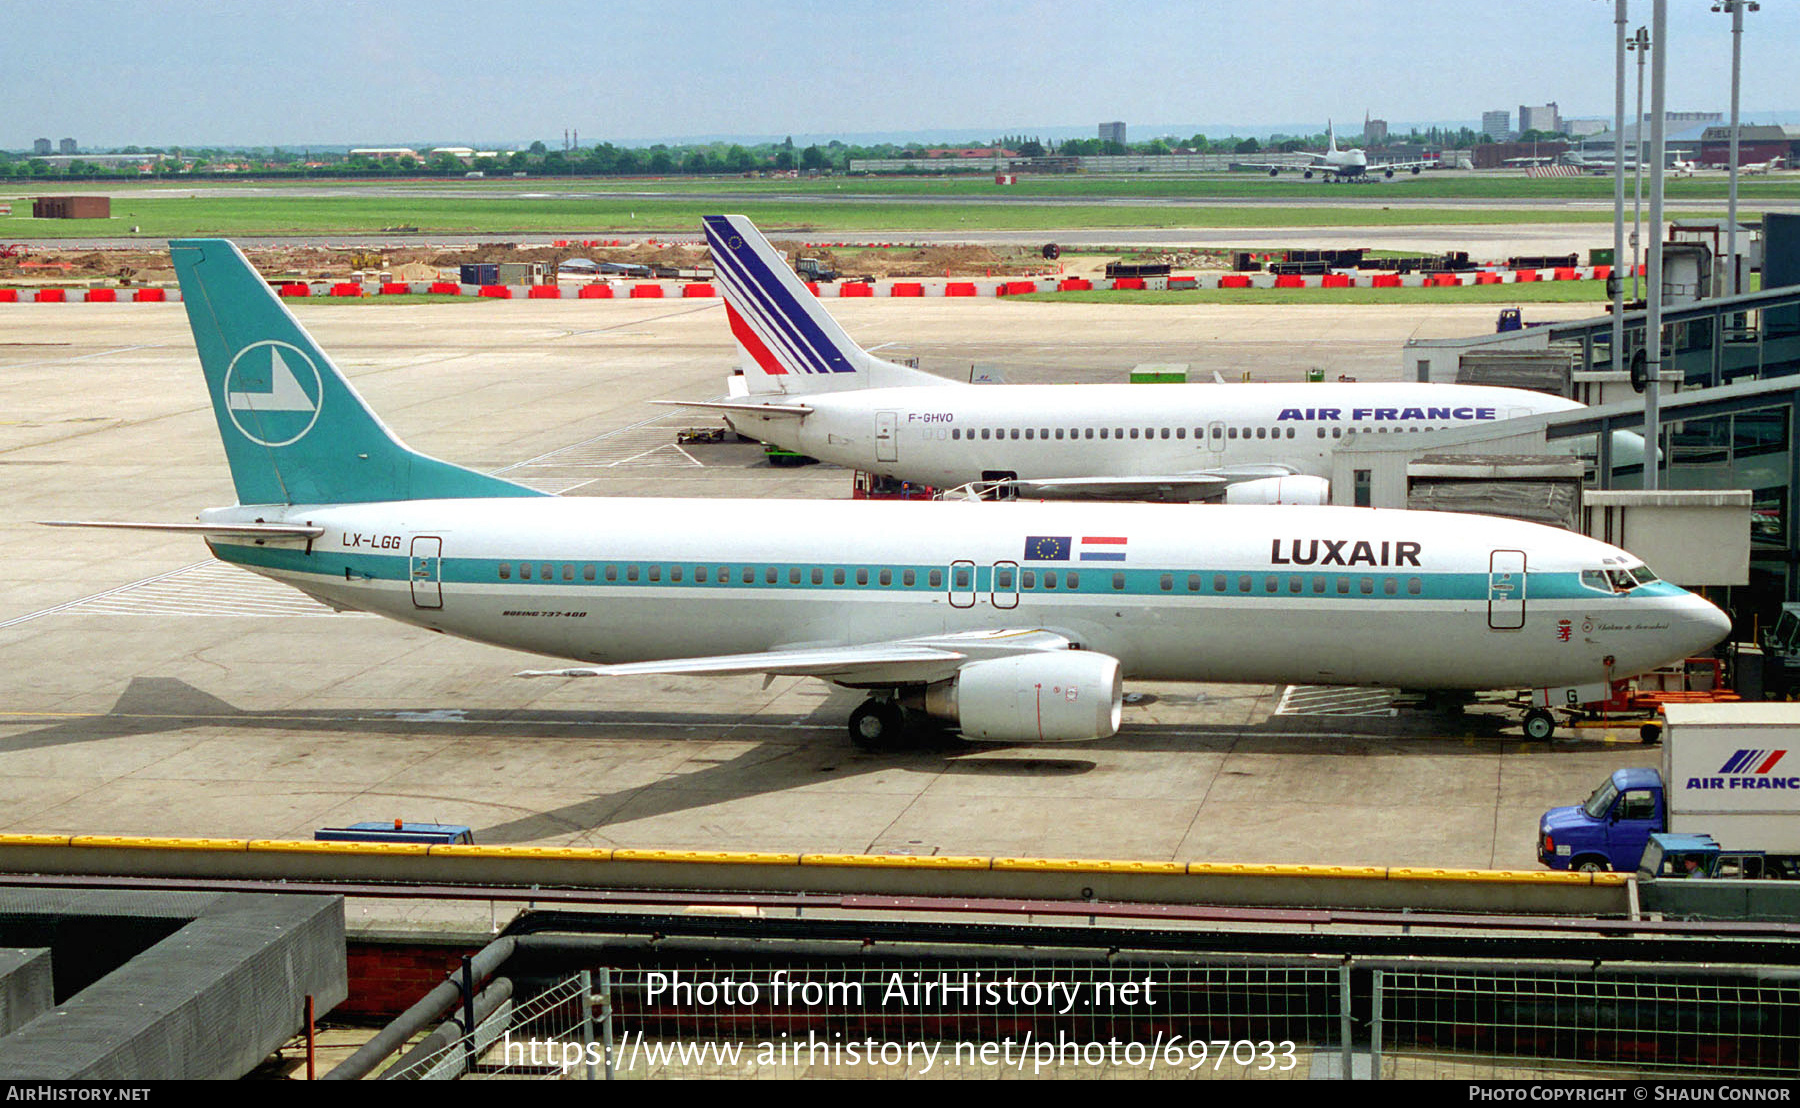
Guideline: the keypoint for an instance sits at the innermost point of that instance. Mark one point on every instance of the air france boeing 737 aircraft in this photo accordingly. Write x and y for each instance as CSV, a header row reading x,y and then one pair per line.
x,y
811,389
1010,622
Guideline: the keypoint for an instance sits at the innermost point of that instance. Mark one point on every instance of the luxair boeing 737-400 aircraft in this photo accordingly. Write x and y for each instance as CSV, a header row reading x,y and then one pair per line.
x,y
807,387
1009,622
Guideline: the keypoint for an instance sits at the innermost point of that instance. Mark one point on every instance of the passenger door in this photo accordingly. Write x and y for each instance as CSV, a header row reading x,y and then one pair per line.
x,y
427,571
1506,590
887,445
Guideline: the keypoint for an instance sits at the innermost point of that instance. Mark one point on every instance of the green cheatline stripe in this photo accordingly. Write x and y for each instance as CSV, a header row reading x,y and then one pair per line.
x,y
1094,580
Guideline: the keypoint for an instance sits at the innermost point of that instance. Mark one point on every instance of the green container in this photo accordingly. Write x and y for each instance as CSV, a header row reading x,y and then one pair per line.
x,y
1315,375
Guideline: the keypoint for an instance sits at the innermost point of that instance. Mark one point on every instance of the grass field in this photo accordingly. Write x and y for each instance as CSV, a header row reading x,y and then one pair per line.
x,y
597,206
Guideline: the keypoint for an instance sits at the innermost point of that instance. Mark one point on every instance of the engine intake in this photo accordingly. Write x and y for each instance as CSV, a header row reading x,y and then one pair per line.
x,y
1063,696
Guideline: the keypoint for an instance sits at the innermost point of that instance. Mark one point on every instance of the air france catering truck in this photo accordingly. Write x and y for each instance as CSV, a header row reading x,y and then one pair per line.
x,y
1731,771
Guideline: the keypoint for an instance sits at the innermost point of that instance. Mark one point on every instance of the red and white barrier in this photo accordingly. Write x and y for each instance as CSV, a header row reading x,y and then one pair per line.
x,y
904,287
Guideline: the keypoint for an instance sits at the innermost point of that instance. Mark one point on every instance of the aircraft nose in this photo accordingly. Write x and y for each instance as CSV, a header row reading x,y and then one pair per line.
x,y
1710,625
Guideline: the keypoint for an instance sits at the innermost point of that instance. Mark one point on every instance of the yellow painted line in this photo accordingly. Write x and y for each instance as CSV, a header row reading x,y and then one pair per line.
x,y
137,842
557,853
1234,869
1084,865
716,857
771,858
306,846
897,861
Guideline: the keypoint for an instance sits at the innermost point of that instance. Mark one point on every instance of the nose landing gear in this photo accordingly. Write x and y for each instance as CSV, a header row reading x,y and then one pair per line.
x,y
1539,725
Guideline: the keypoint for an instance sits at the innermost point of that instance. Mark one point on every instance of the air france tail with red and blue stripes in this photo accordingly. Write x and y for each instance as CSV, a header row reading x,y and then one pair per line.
x,y
787,342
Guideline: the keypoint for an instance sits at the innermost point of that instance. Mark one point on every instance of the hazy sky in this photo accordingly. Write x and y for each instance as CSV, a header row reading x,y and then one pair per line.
x,y
204,72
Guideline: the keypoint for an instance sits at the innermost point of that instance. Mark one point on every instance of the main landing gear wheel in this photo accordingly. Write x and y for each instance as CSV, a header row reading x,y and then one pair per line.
x,y
1539,725
878,725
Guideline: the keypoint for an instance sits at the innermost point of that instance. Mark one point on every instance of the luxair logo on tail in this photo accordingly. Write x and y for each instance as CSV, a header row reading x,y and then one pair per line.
x,y
272,392
1748,769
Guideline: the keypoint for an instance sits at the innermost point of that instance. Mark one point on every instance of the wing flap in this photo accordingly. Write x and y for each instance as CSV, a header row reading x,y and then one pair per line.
x,y
906,662
768,411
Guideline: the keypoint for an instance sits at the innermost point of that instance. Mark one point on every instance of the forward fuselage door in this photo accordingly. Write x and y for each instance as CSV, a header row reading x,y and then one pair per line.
x,y
427,571
887,445
1506,590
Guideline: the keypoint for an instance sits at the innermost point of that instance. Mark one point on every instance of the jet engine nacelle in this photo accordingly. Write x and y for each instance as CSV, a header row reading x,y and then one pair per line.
x,y
1310,491
1059,696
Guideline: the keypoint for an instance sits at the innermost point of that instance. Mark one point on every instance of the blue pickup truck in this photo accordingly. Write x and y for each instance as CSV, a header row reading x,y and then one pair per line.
x,y
1727,771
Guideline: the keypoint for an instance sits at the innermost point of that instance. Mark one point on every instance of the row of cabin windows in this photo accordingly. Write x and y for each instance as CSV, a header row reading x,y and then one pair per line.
x,y
702,575
1219,434
1295,583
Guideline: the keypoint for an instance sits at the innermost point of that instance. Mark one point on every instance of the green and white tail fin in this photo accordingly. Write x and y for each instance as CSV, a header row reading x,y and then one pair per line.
x,y
295,431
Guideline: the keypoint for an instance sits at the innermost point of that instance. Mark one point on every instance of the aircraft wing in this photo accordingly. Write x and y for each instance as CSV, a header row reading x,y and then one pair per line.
x,y
1204,484
1177,487
902,662
1281,167
793,411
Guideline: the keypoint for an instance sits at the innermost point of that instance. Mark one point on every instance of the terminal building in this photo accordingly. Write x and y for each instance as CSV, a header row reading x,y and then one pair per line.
x,y
1729,418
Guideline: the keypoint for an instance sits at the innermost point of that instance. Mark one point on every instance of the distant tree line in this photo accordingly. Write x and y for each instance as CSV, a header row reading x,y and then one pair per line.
x,y
607,160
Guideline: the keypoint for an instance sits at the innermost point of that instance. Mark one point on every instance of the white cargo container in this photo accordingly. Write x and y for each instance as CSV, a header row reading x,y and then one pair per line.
x,y
1732,771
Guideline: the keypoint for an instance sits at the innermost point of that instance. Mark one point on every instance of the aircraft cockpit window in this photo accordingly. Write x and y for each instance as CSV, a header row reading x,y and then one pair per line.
x,y
1644,574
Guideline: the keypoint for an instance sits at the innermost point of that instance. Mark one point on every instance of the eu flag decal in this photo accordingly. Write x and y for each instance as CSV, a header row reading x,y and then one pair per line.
x,y
1047,548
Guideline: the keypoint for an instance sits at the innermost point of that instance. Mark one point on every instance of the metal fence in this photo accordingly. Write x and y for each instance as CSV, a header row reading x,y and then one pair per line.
x,y
1244,1018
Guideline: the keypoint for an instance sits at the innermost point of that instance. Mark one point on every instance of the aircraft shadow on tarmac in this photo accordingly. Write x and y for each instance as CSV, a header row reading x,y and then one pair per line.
x,y
154,705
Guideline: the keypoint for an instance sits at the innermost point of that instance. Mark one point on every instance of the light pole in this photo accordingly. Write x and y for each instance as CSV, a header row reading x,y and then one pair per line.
x,y
1737,9
1618,286
1640,45
1653,344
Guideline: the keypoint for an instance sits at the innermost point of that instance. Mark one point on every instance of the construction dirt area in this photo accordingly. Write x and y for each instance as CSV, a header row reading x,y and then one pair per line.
x,y
33,265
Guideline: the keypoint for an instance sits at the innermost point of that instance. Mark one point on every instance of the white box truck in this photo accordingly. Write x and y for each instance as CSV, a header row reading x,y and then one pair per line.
x,y
1731,771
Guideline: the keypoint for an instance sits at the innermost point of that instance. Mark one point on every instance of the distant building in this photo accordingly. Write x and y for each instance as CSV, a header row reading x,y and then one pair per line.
x,y
1496,125
66,146
969,152
384,152
71,207
1113,132
1582,128
1545,118
40,146
1375,131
